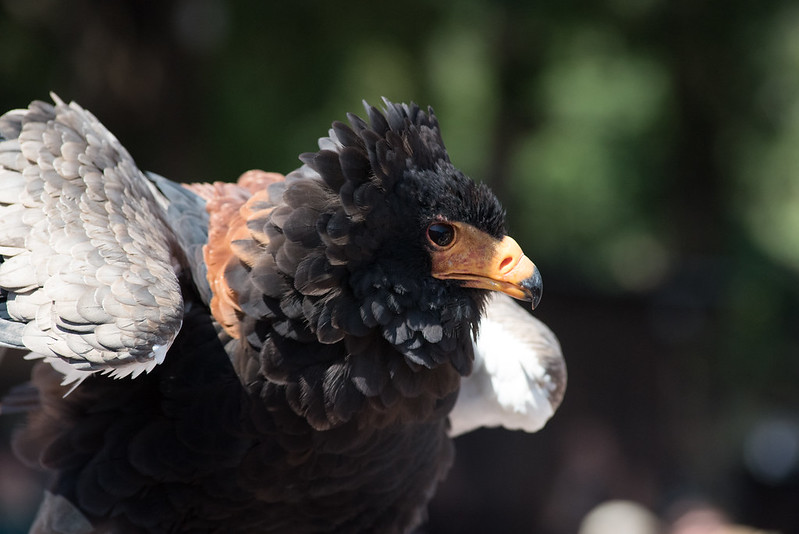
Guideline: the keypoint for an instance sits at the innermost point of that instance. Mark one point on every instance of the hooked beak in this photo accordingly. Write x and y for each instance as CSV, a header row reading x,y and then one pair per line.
x,y
481,261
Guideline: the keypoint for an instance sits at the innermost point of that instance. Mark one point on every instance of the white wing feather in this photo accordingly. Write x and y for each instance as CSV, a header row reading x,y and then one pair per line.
x,y
87,266
519,375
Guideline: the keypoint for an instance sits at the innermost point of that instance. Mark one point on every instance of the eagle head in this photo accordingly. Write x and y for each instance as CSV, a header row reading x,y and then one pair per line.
x,y
376,247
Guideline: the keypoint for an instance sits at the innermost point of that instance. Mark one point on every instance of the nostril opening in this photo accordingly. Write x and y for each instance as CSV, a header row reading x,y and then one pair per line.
x,y
503,266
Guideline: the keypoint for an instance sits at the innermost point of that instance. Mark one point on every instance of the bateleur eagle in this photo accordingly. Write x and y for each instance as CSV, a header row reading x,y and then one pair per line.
x,y
292,347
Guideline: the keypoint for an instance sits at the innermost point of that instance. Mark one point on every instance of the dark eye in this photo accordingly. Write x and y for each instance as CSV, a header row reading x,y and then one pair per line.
x,y
441,234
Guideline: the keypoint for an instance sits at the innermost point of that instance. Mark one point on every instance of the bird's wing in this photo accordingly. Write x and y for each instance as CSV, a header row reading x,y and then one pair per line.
x,y
89,262
57,515
186,216
519,374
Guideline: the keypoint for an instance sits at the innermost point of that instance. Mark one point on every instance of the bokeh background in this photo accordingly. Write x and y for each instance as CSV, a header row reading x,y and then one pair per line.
x,y
647,152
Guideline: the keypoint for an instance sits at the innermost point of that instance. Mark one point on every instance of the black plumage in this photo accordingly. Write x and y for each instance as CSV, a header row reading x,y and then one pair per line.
x,y
309,384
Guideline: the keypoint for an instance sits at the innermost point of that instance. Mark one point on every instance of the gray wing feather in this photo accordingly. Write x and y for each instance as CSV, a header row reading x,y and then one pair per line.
x,y
87,248
57,515
186,215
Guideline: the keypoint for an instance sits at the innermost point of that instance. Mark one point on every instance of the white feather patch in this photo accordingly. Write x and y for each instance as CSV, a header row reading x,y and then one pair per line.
x,y
509,386
76,373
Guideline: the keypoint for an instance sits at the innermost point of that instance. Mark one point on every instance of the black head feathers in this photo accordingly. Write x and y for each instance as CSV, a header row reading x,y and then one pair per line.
x,y
399,159
348,262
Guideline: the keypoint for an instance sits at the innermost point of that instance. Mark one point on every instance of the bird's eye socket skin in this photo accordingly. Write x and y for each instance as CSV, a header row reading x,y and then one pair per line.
x,y
441,234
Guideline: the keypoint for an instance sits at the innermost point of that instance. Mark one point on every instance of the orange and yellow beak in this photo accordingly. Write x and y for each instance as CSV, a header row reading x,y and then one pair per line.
x,y
479,260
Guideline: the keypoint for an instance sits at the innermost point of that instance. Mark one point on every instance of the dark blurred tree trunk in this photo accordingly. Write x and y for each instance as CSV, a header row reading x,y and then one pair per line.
x,y
517,58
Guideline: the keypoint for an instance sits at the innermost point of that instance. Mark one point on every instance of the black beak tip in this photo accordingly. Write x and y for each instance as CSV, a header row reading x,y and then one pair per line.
x,y
535,285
